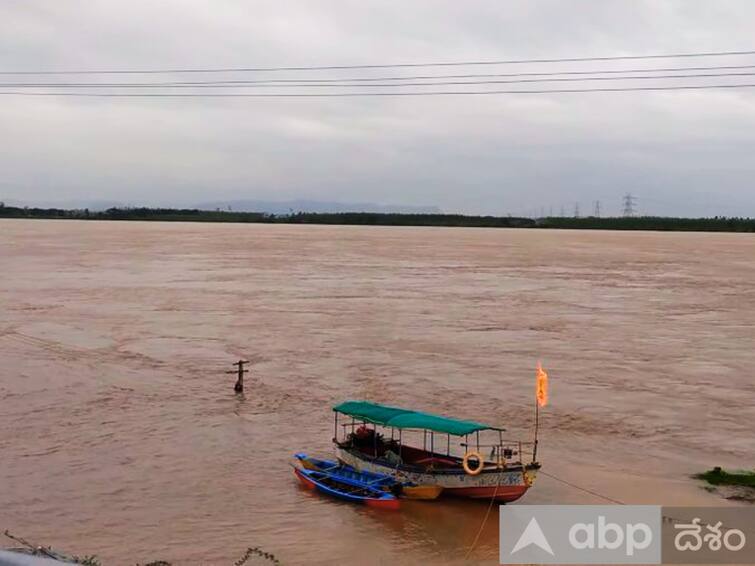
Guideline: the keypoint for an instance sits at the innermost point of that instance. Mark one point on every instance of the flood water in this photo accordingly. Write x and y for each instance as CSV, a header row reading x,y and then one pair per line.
x,y
122,437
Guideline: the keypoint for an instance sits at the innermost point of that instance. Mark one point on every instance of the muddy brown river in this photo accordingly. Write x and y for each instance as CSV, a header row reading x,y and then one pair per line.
x,y
122,436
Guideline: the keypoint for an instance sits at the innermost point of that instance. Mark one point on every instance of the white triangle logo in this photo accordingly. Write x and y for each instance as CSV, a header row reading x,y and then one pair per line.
x,y
533,534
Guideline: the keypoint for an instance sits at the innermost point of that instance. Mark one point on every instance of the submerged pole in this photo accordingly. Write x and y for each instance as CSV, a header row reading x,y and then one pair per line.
x,y
240,371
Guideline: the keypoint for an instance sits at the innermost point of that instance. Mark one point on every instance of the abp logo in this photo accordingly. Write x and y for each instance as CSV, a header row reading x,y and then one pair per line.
x,y
580,534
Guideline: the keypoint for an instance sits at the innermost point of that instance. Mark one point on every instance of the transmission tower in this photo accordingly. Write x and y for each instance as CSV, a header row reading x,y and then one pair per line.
x,y
596,212
576,210
630,204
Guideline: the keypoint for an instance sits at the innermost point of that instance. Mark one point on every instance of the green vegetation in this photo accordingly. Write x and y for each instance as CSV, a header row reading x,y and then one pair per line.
x,y
193,215
144,213
715,224
658,223
717,476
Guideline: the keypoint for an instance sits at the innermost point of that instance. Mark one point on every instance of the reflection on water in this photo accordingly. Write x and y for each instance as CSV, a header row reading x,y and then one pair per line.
x,y
122,435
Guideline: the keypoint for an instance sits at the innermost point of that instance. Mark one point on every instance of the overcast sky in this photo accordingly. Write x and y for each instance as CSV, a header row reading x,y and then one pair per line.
x,y
686,153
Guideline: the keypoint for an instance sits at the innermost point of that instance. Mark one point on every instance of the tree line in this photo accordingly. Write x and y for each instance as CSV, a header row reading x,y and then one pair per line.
x,y
712,224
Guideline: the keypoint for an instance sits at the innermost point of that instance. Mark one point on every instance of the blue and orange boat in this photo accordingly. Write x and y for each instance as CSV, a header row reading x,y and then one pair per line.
x,y
344,482
404,489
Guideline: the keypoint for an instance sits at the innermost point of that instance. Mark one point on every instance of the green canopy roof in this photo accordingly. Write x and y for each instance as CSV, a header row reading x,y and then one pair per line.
x,y
404,418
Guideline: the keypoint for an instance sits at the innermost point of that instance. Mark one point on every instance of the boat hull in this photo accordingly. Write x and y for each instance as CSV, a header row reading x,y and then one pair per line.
x,y
505,485
382,481
310,481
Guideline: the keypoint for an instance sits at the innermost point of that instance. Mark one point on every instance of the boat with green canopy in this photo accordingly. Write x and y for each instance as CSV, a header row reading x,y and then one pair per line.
x,y
384,439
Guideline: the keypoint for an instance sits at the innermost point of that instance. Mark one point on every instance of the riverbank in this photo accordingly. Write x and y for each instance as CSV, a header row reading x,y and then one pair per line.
x,y
652,223
736,486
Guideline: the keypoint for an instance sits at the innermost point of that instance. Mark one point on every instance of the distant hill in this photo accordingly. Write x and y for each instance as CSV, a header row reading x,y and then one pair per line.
x,y
73,204
241,205
294,206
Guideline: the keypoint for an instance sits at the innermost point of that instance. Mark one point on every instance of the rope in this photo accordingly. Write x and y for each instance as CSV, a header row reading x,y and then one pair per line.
x,y
668,518
492,499
580,488
487,514
35,550
565,482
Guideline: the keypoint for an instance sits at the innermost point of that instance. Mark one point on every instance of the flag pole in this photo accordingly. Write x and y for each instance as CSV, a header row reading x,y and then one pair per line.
x,y
537,426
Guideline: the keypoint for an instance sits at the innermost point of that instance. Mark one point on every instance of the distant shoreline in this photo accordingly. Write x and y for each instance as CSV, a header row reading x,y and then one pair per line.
x,y
654,223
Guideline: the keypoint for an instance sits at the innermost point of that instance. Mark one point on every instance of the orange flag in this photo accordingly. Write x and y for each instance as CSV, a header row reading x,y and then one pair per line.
x,y
541,389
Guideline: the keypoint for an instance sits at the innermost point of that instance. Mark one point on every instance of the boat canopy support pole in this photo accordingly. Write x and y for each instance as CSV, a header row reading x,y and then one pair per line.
x,y
335,427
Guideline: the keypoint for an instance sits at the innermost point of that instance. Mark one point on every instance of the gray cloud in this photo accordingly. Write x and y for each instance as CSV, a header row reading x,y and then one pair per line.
x,y
681,152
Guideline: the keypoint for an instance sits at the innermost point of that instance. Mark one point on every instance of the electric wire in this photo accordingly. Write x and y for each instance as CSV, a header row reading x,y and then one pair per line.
x,y
418,77
237,84
382,66
368,94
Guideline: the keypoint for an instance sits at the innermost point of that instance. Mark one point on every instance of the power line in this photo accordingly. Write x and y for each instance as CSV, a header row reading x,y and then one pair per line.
x,y
237,84
429,77
383,66
361,94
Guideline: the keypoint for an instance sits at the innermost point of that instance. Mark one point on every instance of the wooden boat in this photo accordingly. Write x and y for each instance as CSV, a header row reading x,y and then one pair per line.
x,y
383,481
504,475
421,492
347,489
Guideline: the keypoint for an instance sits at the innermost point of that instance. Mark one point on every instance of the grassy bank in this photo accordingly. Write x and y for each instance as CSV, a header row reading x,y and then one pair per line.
x,y
718,476
656,223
